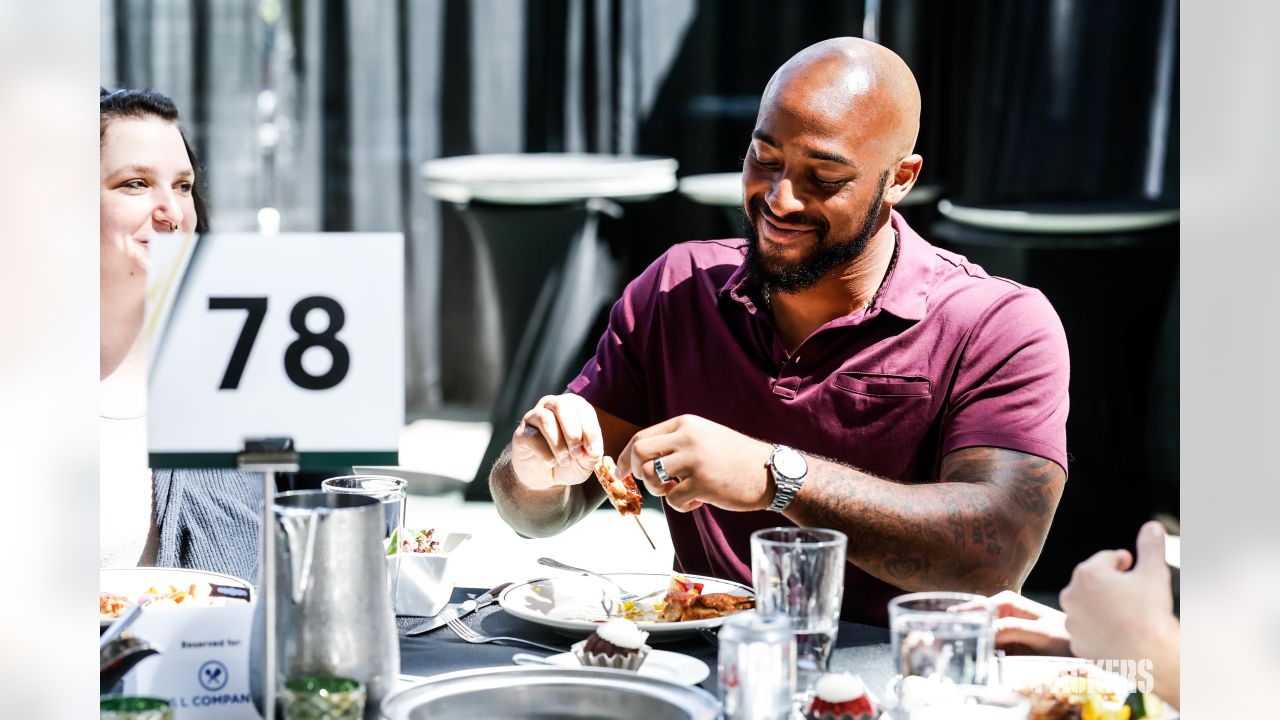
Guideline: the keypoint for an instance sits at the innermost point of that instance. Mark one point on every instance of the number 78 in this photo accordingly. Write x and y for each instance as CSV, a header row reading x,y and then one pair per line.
x,y
256,307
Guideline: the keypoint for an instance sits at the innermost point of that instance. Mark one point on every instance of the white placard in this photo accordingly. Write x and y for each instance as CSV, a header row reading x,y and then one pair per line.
x,y
203,665
299,335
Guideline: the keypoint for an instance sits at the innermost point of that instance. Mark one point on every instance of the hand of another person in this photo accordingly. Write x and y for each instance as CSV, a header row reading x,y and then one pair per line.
x,y
558,442
705,462
1117,612
1025,626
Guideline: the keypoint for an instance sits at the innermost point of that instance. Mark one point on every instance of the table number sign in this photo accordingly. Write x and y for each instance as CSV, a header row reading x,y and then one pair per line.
x,y
298,335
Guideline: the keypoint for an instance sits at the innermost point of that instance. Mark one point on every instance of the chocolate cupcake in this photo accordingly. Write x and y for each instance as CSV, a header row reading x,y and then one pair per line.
x,y
618,643
840,696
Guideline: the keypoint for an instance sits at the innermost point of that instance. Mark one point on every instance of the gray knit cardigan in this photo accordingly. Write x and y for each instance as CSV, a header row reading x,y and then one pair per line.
x,y
209,520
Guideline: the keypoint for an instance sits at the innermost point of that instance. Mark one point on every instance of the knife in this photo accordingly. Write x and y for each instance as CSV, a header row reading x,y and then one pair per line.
x,y
458,611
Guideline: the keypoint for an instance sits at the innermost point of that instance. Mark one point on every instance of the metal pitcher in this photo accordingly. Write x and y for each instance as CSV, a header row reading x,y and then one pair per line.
x,y
333,610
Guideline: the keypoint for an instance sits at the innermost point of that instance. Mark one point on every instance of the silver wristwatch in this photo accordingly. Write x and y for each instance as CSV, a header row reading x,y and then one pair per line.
x,y
789,471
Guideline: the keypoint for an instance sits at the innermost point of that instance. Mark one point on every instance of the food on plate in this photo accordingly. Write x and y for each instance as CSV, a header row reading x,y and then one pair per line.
x,y
623,493
618,643
110,605
684,601
841,696
1078,694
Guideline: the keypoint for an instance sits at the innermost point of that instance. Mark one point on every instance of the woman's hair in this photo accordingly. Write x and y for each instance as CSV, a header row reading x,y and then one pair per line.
x,y
140,104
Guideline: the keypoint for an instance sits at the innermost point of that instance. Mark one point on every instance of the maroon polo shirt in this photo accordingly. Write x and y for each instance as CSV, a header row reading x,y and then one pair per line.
x,y
946,357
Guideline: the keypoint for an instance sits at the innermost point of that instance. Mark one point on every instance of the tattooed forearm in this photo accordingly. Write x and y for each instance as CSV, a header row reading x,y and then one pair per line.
x,y
979,529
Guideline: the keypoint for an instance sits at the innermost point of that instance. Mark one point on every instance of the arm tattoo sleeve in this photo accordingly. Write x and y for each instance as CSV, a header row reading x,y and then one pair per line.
x,y
979,528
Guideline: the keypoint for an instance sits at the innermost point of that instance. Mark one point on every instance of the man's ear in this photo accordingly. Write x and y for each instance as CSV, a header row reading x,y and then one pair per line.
x,y
904,178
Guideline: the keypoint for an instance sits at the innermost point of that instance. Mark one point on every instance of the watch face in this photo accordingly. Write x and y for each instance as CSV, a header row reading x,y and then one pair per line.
x,y
789,463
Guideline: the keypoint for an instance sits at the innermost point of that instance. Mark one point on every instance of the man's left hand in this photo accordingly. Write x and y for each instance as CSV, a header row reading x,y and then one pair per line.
x,y
706,463
1118,607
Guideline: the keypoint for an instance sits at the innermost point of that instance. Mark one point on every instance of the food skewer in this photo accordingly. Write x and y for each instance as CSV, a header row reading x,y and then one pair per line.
x,y
646,532
623,492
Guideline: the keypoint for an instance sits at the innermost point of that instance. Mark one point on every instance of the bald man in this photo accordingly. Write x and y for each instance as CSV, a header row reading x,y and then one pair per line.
x,y
832,369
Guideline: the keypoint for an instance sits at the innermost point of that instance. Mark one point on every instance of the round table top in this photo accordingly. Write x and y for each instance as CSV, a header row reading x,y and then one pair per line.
x,y
725,189
1055,219
547,178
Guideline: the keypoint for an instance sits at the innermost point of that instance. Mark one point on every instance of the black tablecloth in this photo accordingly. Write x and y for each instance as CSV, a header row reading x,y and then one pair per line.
x,y
860,649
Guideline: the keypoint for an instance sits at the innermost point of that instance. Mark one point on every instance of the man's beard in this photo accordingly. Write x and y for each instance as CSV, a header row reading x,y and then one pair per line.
x,y
826,255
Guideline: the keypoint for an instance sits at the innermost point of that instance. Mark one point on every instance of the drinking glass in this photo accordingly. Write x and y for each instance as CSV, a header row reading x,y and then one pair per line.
x,y
123,707
323,698
931,638
390,491
800,572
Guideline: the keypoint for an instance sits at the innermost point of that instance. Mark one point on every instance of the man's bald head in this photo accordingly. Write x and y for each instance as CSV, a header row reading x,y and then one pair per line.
x,y
854,83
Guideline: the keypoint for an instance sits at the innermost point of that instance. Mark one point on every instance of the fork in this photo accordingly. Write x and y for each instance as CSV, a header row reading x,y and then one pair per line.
x,y
465,632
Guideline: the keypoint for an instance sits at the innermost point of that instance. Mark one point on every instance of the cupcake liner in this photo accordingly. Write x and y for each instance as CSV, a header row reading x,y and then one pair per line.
x,y
630,661
840,716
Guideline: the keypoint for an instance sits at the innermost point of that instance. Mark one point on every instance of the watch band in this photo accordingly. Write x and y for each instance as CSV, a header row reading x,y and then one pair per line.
x,y
785,486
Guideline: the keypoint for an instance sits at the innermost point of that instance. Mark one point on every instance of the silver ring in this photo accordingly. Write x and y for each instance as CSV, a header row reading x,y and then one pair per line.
x,y
661,471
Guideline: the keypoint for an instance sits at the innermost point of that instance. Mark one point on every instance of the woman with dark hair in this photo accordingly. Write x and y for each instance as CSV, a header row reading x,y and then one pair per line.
x,y
202,519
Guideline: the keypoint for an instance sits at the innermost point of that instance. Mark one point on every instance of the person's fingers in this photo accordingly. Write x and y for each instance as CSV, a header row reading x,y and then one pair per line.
x,y
633,454
1021,631
569,415
592,435
640,457
1007,603
528,442
1151,549
545,422
1120,560
684,495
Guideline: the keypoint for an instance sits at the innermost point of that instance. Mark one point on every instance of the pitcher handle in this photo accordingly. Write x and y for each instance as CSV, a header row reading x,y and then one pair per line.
x,y
303,577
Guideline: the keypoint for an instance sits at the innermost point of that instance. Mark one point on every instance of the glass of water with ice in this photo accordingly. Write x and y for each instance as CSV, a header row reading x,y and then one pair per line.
x,y
800,572
942,635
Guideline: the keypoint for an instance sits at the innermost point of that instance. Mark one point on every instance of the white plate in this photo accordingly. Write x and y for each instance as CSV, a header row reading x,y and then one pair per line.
x,y
659,665
134,581
571,603
1027,671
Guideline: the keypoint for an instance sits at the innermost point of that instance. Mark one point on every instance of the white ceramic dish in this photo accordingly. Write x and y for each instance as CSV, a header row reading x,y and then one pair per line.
x,y
426,579
571,603
132,582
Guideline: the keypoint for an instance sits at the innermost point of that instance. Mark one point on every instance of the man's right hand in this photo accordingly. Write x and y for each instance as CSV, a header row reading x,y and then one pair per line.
x,y
558,442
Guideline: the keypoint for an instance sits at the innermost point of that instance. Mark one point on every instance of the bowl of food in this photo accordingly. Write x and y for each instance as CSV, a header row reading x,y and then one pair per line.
x,y
422,560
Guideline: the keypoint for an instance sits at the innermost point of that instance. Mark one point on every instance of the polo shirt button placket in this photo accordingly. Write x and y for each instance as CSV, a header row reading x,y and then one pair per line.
x,y
783,385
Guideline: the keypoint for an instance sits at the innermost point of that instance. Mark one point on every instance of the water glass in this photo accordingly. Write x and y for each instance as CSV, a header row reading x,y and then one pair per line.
x,y
323,698
390,491
122,707
932,639
800,572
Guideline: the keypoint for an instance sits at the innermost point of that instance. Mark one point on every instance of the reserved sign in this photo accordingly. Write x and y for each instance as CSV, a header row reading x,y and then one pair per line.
x,y
299,335
203,665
